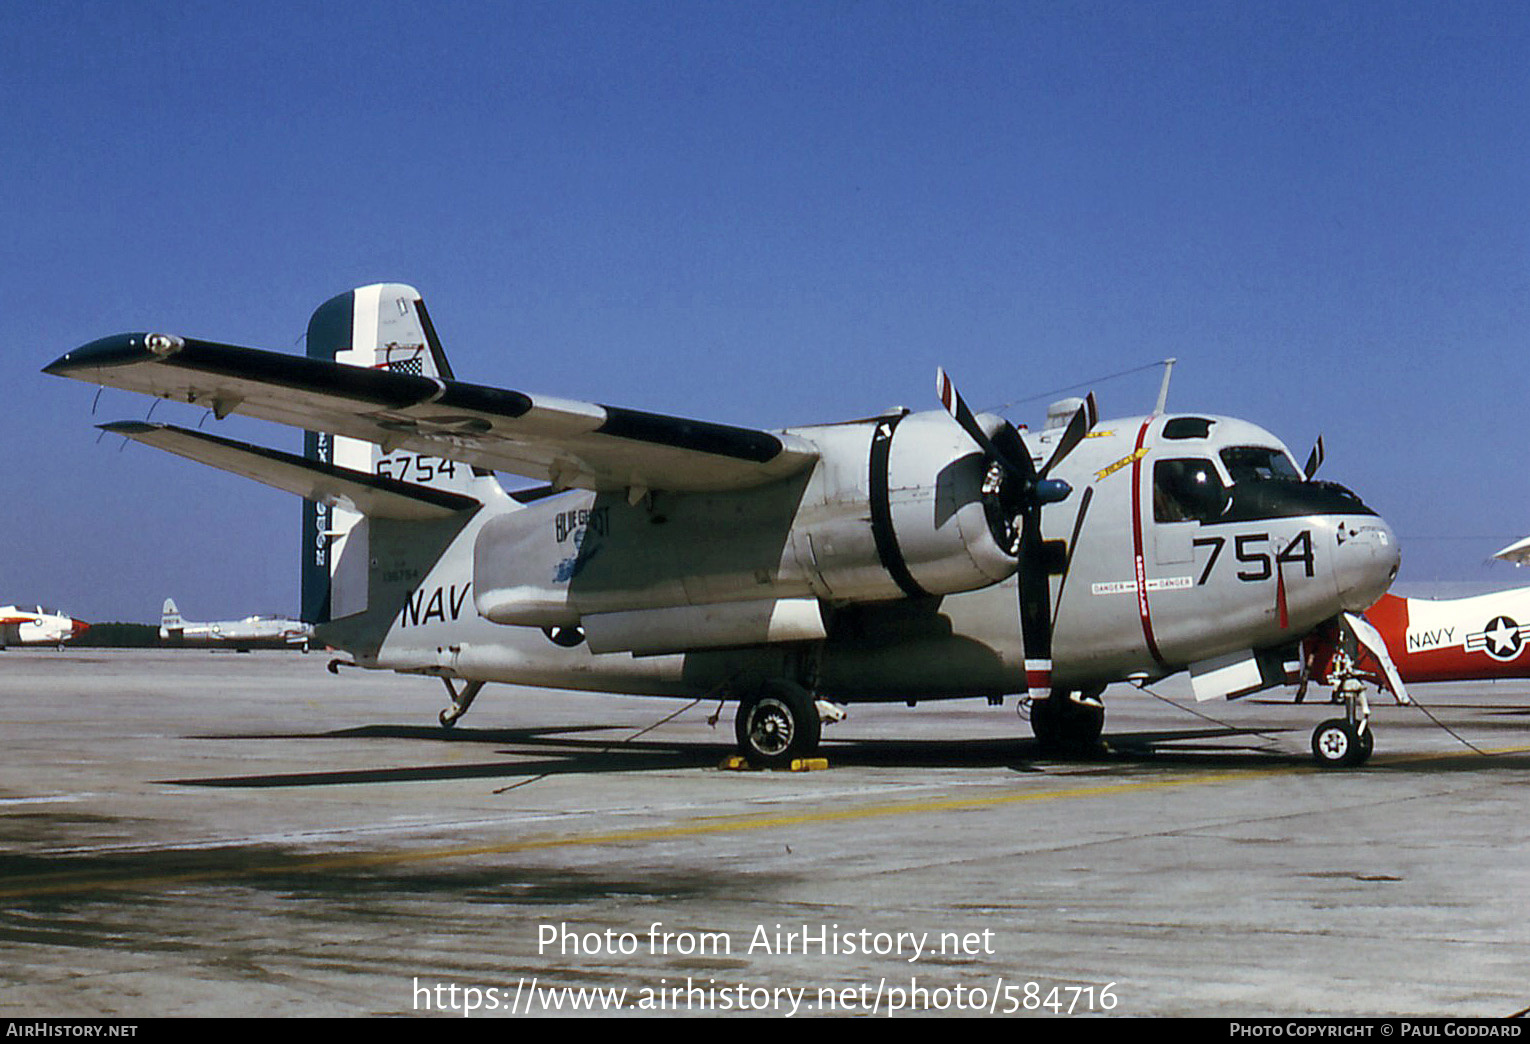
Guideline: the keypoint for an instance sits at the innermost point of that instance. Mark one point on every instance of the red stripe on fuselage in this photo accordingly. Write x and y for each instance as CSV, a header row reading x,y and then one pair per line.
x,y
1140,561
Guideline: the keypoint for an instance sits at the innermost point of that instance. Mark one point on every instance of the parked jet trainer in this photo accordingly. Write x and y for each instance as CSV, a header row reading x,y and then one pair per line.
x,y
1444,639
252,632
908,556
37,625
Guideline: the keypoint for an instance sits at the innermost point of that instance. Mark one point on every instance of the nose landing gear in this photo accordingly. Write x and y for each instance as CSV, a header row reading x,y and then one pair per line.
x,y
1359,655
1347,742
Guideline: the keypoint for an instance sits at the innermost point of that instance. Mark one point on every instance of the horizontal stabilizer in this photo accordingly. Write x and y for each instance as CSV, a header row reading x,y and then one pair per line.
x,y
329,484
569,444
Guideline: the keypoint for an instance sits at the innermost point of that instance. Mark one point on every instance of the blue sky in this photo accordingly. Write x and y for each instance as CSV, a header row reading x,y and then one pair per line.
x,y
769,214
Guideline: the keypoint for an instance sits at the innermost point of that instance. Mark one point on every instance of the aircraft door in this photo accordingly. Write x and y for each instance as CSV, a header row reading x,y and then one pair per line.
x,y
1172,542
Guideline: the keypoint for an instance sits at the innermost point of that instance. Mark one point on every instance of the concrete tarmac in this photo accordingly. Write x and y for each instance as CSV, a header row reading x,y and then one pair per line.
x,y
188,833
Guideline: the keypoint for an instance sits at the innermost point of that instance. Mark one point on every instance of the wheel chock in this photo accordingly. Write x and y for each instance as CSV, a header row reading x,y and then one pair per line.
x,y
739,763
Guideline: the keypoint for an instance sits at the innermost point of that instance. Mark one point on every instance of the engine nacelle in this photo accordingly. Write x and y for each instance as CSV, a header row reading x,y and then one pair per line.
x,y
896,507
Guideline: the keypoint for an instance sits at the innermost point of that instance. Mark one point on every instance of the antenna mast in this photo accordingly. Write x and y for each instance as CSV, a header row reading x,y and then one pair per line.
x,y
1163,389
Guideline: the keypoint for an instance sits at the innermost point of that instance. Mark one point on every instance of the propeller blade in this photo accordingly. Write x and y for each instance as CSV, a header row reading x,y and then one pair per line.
x,y
1078,527
956,406
1078,427
1034,490
1315,458
1035,608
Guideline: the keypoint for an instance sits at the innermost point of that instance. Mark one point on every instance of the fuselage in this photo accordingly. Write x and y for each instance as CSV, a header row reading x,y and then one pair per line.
x,y
1457,639
251,630
37,625
883,573
266,632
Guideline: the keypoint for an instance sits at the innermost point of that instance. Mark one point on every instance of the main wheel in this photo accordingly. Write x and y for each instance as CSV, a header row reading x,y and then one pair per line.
x,y
1338,744
777,724
1064,726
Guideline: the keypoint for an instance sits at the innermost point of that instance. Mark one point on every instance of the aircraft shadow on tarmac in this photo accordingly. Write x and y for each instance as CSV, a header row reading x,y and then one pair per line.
x,y
571,750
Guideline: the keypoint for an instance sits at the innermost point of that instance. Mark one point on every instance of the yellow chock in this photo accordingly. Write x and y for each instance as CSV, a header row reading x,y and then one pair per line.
x,y
739,763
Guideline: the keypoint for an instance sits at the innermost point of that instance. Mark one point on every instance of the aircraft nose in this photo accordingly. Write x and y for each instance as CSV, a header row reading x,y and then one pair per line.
x,y
78,627
1367,560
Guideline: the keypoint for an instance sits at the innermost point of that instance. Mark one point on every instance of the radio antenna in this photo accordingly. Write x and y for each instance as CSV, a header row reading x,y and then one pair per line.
x,y
1163,389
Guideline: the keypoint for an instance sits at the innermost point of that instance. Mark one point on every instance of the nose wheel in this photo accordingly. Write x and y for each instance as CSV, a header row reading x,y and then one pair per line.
x,y
1337,743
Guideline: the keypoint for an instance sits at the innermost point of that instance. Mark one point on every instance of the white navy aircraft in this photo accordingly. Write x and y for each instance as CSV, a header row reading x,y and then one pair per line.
x,y
252,632
903,557
37,625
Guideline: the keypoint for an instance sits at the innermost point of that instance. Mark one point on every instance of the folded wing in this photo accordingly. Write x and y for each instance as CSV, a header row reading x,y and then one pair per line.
x,y
318,481
569,444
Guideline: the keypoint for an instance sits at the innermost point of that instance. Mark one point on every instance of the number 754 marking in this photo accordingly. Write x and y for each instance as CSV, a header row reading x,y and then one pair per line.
x,y
1253,551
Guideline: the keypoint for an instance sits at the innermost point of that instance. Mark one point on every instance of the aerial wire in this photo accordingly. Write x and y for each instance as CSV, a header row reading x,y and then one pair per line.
x,y
1092,382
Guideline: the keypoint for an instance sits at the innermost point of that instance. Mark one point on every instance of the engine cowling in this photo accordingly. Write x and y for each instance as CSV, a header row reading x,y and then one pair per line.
x,y
905,506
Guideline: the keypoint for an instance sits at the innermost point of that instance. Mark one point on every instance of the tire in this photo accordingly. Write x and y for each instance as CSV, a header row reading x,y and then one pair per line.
x,y
1063,726
1336,744
1367,744
776,725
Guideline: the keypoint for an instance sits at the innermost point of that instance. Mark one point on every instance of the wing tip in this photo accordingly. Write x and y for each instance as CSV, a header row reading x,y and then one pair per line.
x,y
116,350
129,428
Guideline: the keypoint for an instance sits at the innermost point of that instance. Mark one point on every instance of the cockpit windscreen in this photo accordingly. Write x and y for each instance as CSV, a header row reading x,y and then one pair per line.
x,y
1258,464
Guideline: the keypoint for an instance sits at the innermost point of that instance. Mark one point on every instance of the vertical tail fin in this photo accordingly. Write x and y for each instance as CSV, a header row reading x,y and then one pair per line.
x,y
382,326
170,622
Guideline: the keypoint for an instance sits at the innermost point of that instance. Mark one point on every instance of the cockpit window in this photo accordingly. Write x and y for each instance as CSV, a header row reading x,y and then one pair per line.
x,y
1187,428
1187,490
1258,464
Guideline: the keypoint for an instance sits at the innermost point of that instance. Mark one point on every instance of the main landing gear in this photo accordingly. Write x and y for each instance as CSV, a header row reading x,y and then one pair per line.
x,y
777,722
1068,722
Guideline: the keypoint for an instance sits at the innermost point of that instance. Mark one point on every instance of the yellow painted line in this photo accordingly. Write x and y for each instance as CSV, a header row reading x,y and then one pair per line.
x,y
40,885
1464,752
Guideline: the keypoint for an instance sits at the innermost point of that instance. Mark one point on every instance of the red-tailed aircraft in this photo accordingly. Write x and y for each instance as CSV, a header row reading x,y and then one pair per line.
x,y
1456,639
1426,640
37,625
1445,639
